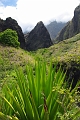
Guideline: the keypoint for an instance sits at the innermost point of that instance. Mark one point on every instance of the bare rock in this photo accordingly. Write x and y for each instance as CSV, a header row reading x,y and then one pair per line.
x,y
38,38
72,27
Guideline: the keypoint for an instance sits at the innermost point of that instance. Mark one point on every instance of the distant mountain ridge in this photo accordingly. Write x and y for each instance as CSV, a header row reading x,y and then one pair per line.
x,y
54,28
40,36
72,28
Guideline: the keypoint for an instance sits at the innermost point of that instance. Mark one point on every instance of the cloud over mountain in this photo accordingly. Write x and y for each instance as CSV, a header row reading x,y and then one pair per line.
x,y
29,12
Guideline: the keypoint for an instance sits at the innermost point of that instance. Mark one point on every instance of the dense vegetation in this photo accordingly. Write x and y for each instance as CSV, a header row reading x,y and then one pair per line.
x,y
66,53
66,50
32,89
41,94
9,37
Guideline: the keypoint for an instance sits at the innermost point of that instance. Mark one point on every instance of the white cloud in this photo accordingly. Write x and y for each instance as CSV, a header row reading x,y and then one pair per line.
x,y
29,12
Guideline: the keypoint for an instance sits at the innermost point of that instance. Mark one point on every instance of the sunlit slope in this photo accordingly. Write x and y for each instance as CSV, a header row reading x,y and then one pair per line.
x,y
66,50
11,58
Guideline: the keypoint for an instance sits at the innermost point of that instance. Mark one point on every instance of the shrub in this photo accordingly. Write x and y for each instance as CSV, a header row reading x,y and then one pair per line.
x,y
9,37
40,95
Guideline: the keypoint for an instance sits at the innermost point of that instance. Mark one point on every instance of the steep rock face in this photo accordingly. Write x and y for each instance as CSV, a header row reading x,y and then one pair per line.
x,y
10,23
72,28
76,20
38,38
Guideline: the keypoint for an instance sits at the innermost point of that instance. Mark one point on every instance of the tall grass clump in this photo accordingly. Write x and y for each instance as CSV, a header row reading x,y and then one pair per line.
x,y
40,94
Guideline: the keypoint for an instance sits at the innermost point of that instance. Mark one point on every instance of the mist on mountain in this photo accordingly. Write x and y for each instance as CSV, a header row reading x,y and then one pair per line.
x,y
54,28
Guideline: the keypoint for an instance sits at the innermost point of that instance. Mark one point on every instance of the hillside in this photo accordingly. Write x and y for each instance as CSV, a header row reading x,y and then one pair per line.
x,y
66,53
11,58
65,50
23,88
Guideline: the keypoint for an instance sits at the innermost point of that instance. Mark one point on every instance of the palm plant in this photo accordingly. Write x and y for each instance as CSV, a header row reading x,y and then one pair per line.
x,y
39,95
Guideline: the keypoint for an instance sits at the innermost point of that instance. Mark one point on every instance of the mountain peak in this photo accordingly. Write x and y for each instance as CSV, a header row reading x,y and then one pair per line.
x,y
40,23
72,28
77,8
38,38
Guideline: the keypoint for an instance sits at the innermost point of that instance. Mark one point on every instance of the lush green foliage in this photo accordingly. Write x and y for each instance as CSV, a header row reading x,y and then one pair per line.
x,y
67,50
66,53
10,57
41,94
9,37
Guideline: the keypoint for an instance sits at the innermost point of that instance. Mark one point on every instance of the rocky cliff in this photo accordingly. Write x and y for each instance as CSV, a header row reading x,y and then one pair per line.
x,y
10,23
72,28
38,38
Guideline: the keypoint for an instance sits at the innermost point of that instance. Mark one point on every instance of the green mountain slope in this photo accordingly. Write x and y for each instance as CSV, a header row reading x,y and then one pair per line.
x,y
11,58
67,54
66,50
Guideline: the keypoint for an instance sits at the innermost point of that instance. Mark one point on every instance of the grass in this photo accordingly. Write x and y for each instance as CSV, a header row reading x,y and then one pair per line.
x,y
66,51
15,56
11,57
40,81
39,95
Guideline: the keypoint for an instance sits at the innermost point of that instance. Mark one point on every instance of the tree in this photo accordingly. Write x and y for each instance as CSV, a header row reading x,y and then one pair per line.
x,y
9,37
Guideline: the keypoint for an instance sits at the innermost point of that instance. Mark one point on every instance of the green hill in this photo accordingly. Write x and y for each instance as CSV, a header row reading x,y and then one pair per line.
x,y
11,58
66,53
66,50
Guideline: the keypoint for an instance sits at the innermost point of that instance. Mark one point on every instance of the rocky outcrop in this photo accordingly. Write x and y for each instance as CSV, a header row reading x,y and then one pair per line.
x,y
76,20
72,28
10,23
38,38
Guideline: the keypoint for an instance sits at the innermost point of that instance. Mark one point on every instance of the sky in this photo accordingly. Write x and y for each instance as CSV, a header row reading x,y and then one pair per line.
x,y
29,12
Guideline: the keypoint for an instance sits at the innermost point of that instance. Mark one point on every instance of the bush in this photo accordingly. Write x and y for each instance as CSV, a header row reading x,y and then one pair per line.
x,y
9,37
